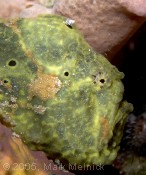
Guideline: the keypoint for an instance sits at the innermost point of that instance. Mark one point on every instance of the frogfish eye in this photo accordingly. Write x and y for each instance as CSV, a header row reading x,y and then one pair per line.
x,y
5,81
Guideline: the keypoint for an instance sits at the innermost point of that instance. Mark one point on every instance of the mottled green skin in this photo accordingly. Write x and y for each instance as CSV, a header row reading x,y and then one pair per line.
x,y
83,122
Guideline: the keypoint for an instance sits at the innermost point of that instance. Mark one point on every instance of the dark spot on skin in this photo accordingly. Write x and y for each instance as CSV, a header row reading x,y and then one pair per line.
x,y
32,67
102,80
5,81
98,78
69,26
12,63
66,73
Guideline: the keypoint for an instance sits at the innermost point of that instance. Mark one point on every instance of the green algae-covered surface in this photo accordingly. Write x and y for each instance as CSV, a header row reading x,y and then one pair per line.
x,y
57,93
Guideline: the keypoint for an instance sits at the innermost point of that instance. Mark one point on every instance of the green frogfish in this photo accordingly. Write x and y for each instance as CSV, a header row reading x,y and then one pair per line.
x,y
57,94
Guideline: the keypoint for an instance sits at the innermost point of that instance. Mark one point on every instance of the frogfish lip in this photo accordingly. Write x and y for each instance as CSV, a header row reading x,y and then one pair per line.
x,y
45,86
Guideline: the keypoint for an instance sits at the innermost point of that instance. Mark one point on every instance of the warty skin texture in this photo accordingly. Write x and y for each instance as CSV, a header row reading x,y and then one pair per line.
x,y
57,93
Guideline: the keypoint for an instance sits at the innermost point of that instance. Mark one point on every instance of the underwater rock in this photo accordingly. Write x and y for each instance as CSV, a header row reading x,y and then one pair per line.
x,y
57,94
106,25
34,10
17,159
134,138
130,164
136,7
11,8
131,159
47,3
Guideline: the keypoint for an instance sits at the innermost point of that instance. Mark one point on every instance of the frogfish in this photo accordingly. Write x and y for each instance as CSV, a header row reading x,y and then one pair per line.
x,y
57,93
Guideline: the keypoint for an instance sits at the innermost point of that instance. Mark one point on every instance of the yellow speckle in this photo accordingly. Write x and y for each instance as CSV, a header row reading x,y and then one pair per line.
x,y
1,96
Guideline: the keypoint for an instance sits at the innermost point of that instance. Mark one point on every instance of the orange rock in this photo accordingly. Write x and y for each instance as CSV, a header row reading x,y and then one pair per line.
x,y
16,158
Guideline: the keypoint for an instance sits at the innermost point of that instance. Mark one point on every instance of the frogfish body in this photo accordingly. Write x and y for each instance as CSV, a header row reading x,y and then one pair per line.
x,y
57,94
